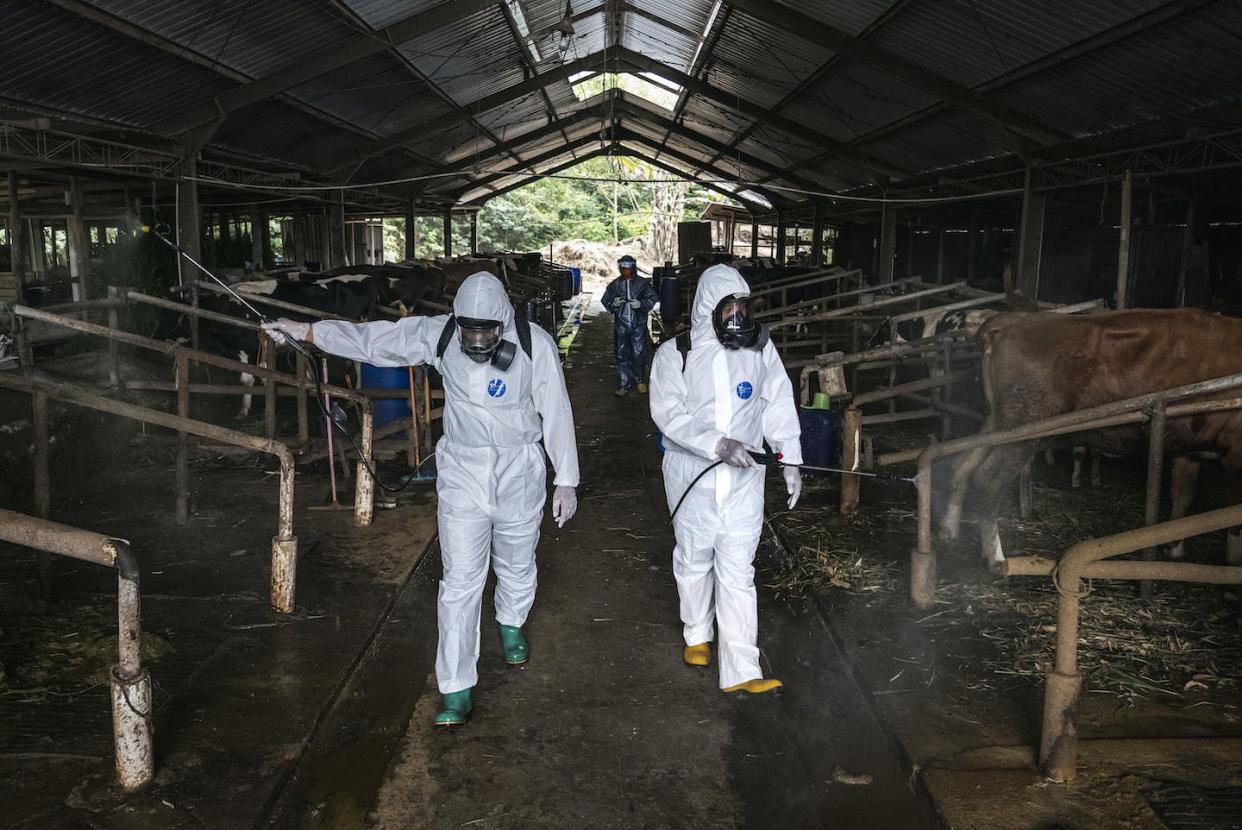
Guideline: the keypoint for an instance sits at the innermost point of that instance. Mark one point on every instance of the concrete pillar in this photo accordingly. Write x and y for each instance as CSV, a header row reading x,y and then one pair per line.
x,y
16,233
79,242
887,245
1031,234
1121,299
188,236
448,233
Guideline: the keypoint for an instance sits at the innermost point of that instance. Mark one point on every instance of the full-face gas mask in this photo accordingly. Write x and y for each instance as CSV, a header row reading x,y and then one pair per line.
x,y
481,342
628,267
735,324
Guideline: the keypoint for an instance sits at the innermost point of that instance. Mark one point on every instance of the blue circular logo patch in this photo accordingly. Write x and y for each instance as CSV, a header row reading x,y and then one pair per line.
x,y
745,390
496,388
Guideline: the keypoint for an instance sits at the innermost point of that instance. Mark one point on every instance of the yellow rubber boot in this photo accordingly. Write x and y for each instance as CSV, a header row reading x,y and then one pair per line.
x,y
758,686
642,389
699,655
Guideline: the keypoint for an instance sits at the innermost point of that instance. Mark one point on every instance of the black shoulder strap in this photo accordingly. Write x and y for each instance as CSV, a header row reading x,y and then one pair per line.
x,y
446,336
683,346
523,333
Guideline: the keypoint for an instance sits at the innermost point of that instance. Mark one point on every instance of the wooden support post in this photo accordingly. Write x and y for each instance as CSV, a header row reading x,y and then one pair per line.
x,y
194,302
294,250
940,240
1024,492
474,232
754,238
79,242
851,458
1122,298
188,227
780,239
1188,244
114,367
16,250
267,359
183,440
303,372
42,483
334,237
410,224
887,248
1155,480
817,240
258,227
972,247
1030,234
448,233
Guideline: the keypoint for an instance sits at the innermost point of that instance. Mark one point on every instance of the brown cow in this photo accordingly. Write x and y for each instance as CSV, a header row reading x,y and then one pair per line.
x,y
1038,366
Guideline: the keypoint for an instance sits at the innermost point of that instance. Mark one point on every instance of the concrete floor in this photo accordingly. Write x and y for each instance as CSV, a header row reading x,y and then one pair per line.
x,y
323,719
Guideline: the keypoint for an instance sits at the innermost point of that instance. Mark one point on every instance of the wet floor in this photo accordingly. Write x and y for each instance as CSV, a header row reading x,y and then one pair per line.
x,y
606,727
322,718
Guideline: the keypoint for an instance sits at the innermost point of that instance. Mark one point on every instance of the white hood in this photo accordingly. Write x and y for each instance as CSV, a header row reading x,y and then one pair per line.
x,y
716,283
482,296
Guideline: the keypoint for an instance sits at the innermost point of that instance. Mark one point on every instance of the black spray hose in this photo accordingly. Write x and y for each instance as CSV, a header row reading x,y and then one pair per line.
x,y
161,232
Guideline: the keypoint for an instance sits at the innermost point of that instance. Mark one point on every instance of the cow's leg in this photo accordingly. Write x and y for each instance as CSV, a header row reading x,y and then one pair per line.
x,y
1076,477
1096,455
963,475
1182,485
247,379
995,474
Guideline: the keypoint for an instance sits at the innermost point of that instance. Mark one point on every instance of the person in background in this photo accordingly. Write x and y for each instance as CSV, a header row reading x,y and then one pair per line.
x,y
630,298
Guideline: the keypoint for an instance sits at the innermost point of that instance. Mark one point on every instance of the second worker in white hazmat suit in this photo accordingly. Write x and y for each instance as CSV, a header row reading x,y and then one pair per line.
x,y
715,394
504,393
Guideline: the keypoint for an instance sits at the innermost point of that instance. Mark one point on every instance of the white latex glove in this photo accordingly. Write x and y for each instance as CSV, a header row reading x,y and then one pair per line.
x,y
793,484
284,329
734,453
617,303
635,303
564,504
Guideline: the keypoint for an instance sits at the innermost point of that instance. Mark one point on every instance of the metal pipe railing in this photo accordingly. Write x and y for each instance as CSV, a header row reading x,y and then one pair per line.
x,y
284,543
846,311
1130,410
854,292
364,505
132,729
1058,748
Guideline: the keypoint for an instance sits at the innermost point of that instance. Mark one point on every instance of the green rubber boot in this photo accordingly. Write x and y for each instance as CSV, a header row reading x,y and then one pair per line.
x,y
513,641
456,709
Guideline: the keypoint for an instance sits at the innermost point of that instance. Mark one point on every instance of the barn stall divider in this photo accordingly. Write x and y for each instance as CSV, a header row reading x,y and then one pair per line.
x,y
133,735
284,543
184,356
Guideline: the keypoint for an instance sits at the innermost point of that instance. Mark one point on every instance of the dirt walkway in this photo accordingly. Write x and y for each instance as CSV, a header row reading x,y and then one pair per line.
x,y
605,727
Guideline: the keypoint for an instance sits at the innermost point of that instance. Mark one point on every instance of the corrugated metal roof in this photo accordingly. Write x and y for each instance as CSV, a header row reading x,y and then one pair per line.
x,y
1140,86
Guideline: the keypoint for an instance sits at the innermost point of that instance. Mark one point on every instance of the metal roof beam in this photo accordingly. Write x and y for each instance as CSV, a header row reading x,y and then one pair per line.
x,y
550,172
303,70
694,163
543,157
487,102
898,67
751,110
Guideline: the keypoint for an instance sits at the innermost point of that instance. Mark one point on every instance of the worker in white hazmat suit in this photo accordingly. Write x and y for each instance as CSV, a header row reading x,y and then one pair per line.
x,y
504,391
716,393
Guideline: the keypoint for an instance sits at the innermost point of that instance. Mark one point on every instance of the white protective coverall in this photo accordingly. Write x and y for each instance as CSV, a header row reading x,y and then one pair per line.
x,y
491,471
743,394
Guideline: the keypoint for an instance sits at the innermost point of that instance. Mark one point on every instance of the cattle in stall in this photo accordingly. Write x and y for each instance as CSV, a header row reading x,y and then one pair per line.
x,y
1037,366
339,296
456,270
398,285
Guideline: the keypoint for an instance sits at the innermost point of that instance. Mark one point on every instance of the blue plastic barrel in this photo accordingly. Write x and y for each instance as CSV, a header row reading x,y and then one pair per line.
x,y
821,438
577,272
387,410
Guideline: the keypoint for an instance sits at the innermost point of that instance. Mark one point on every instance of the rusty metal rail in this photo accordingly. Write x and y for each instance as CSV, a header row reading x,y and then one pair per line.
x,y
1117,413
284,543
364,492
1058,747
132,729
